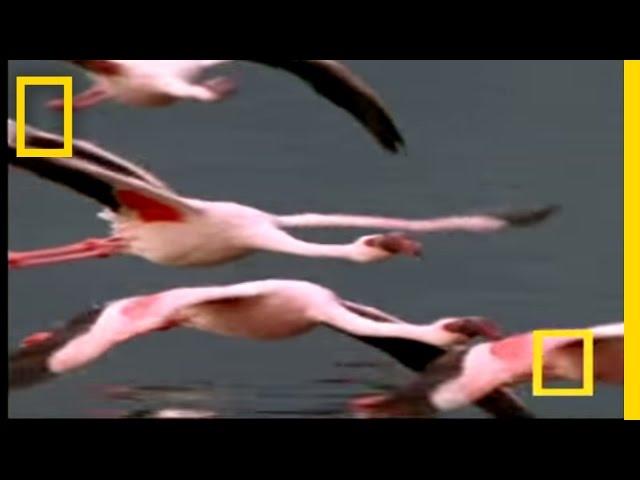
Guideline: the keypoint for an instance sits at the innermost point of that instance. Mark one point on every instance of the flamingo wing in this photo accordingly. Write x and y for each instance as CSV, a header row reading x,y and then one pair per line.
x,y
93,333
412,354
329,78
115,183
504,403
564,356
338,84
86,152
28,365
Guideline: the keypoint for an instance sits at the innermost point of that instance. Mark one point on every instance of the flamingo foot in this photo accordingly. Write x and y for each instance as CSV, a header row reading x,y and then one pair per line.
x,y
92,248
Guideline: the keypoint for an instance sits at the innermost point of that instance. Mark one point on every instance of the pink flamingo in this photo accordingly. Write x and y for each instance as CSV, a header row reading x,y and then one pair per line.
x,y
152,221
464,375
263,310
157,83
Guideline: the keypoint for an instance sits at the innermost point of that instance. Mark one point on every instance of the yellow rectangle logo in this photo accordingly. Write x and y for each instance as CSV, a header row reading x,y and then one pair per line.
x,y
21,86
631,239
587,389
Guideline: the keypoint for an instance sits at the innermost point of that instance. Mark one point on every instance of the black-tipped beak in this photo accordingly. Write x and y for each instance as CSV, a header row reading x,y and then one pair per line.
x,y
528,218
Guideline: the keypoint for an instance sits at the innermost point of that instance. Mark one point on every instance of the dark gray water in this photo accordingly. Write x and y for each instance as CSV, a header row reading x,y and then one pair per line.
x,y
480,135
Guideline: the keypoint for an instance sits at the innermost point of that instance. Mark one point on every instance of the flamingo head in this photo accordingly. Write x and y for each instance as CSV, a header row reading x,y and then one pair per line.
x,y
381,247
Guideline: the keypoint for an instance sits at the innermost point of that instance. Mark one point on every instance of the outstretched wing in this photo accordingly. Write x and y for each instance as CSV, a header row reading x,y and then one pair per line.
x,y
564,357
109,180
29,365
338,84
90,335
86,152
331,79
503,403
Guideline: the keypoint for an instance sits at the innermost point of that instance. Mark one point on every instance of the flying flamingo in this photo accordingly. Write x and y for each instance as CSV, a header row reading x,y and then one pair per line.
x,y
152,221
158,83
464,375
263,310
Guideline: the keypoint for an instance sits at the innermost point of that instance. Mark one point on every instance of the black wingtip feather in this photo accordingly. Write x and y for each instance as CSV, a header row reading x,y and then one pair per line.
x,y
502,403
345,89
412,354
389,138
28,366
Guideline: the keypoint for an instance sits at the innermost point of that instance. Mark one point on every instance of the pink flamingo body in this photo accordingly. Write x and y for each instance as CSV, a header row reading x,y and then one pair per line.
x,y
152,221
467,374
158,83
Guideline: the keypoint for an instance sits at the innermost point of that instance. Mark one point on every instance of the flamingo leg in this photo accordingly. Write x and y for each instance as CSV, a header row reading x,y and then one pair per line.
x,y
91,248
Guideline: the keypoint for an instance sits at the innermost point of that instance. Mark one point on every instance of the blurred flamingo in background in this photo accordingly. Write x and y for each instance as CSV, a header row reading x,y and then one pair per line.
x,y
156,83
466,374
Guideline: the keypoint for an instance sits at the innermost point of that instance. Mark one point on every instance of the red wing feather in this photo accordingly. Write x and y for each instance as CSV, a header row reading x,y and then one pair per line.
x,y
149,209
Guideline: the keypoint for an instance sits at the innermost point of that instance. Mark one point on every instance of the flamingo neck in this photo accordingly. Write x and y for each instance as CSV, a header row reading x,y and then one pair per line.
x,y
354,252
